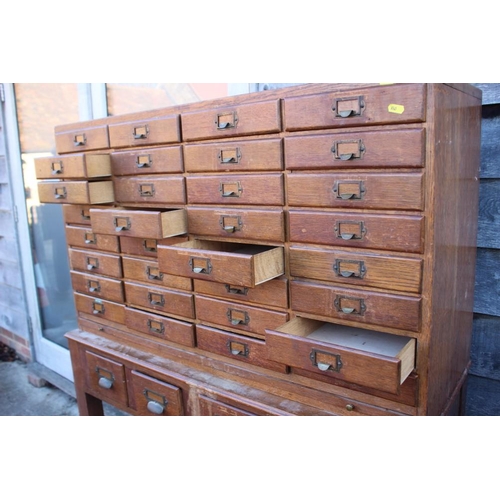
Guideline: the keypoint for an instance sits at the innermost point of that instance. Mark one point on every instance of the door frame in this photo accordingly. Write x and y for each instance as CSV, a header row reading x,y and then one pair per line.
x,y
92,104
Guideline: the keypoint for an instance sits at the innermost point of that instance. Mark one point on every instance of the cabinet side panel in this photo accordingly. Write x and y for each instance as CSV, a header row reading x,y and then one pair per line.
x,y
454,173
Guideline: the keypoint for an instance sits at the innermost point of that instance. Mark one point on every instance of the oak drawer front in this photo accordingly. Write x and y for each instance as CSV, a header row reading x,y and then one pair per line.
x,y
97,286
106,378
373,106
402,233
148,271
380,149
160,327
367,191
103,309
355,268
245,119
240,265
160,299
161,130
248,224
243,189
76,192
151,224
105,264
69,141
272,293
234,346
368,358
84,237
358,306
147,161
152,397
253,320
150,190
212,408
81,166
77,214
245,156
147,247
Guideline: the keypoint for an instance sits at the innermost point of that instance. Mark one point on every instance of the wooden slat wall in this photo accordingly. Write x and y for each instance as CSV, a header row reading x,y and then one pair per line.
x,y
483,396
13,311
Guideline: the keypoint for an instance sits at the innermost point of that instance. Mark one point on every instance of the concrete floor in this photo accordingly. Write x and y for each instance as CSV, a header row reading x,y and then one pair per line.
x,y
19,397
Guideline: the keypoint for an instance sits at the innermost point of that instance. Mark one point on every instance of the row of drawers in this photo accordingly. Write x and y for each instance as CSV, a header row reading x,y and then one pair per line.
x,y
397,104
382,148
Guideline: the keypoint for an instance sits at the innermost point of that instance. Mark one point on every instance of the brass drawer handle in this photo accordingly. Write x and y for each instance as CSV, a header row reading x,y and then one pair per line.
x,y
60,193
226,120
236,291
348,150
237,317
350,305
144,161
98,307
147,190
90,239
348,107
93,286
200,266
106,378
350,230
156,326
122,224
80,140
230,223
349,268
229,156
156,402
156,299
238,348
92,263
57,168
349,190
141,132
326,361
153,273
230,189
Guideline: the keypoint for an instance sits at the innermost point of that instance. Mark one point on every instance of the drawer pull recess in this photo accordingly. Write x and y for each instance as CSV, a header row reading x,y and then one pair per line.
x,y
57,168
85,214
90,238
141,132
156,402
226,120
231,223
200,266
143,161
349,190
92,263
236,317
97,307
106,378
153,273
238,348
350,230
326,361
348,107
156,326
156,299
349,268
80,140
349,305
60,193
229,156
147,190
122,224
150,245
93,286
348,150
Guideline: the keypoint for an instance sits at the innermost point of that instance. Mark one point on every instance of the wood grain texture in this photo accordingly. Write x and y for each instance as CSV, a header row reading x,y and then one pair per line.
x,y
81,138
106,264
100,308
84,237
97,286
147,161
150,190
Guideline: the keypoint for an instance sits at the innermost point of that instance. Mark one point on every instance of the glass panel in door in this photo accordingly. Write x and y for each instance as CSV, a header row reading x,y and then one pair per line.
x,y
40,107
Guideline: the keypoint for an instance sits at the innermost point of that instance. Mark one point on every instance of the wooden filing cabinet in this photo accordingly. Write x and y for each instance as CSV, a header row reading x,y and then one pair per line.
x,y
305,251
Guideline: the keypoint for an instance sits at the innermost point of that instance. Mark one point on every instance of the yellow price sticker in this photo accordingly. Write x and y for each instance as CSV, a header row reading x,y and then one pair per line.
x,y
396,108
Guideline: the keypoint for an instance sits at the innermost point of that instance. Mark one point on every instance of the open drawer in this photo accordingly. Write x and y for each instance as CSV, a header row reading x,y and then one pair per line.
x,y
369,358
240,265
